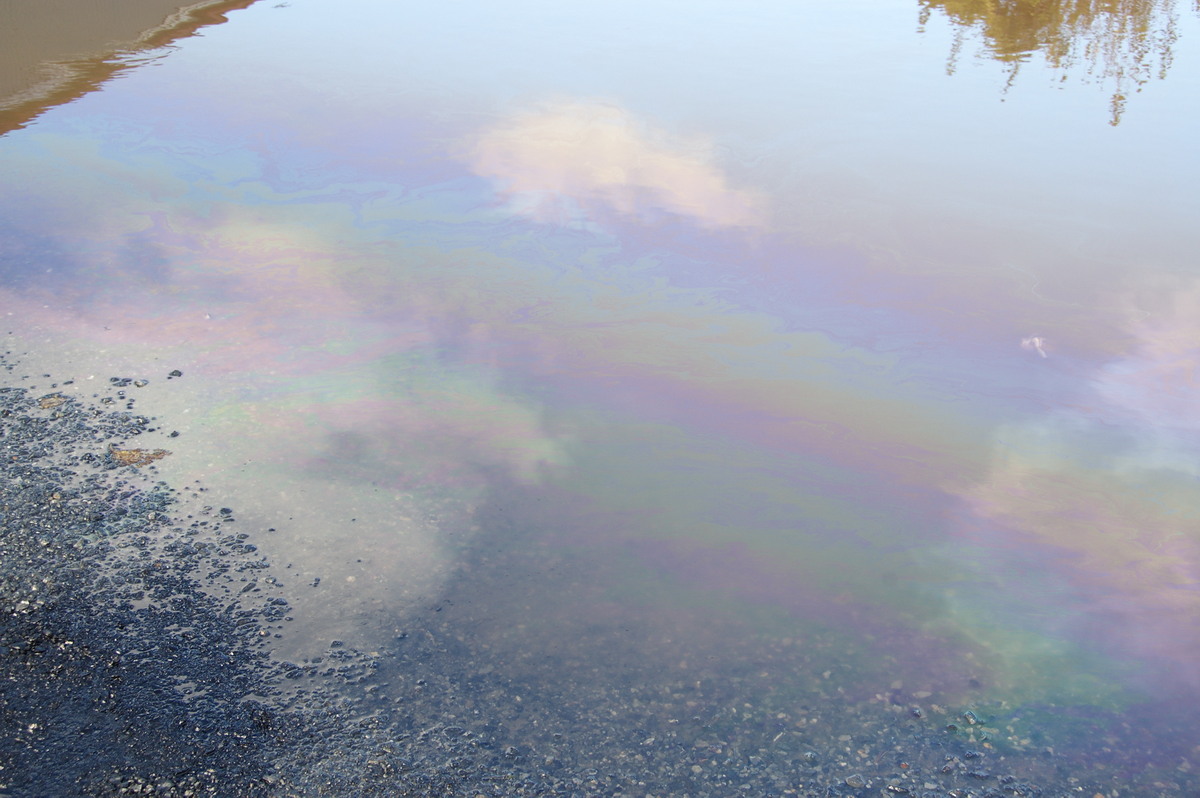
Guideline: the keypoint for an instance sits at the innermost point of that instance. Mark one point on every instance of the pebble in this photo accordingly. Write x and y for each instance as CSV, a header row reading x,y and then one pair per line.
x,y
97,683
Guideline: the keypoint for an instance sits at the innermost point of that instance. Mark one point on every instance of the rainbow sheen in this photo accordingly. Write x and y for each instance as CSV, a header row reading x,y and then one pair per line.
x,y
804,338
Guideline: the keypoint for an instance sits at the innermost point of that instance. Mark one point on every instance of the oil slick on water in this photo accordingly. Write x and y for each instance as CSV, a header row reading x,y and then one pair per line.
x,y
628,319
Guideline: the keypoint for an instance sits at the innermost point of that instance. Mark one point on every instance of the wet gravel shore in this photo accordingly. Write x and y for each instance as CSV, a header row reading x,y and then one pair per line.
x,y
119,668
135,628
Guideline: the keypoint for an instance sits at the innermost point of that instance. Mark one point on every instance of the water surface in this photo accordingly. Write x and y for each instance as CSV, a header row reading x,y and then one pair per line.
x,y
793,362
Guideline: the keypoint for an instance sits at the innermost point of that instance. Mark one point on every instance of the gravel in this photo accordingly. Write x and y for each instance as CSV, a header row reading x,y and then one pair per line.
x,y
135,631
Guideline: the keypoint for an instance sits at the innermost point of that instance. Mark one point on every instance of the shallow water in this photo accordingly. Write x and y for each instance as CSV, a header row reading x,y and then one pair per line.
x,y
808,355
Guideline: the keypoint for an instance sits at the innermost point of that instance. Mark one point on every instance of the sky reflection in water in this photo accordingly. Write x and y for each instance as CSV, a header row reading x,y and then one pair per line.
x,y
766,315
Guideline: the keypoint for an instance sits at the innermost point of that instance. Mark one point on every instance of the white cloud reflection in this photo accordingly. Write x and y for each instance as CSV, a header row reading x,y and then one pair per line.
x,y
572,158
1159,380
1107,490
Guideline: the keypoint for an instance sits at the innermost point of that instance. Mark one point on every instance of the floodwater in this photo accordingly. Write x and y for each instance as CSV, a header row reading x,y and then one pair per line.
x,y
803,355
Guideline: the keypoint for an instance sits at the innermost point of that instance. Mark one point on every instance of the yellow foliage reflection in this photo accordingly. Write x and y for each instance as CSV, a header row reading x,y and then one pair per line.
x,y
1122,42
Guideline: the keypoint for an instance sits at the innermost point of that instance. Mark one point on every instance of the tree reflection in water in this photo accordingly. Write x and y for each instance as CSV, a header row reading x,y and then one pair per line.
x,y
1121,42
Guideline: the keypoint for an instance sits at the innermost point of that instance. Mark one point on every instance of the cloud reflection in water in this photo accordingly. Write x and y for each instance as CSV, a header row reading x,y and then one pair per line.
x,y
1106,490
573,156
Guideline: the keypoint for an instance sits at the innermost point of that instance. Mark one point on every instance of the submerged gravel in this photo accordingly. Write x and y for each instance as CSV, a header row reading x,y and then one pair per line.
x,y
126,666
135,631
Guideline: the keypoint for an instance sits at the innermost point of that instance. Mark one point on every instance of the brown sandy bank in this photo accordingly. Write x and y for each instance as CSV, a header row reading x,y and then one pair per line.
x,y
53,51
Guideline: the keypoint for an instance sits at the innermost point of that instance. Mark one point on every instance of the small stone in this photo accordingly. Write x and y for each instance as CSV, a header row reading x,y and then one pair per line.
x,y
136,457
856,781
